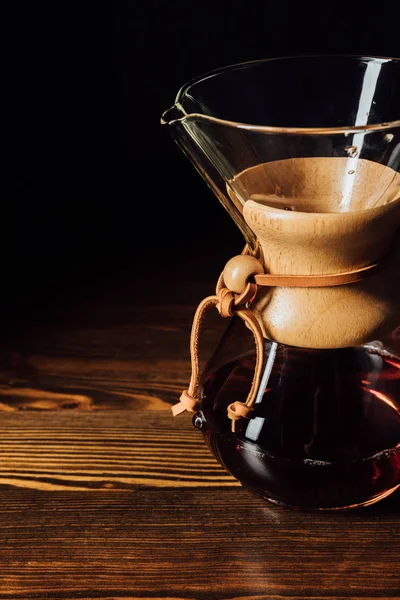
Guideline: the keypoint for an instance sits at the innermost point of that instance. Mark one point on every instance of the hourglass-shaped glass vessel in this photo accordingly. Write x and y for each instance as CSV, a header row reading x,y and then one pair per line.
x,y
301,398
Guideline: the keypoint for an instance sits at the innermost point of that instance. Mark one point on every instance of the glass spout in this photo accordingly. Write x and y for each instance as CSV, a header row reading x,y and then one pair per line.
x,y
170,115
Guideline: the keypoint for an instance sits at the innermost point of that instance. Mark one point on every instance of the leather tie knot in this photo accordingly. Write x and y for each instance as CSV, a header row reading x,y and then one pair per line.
x,y
237,411
226,302
186,402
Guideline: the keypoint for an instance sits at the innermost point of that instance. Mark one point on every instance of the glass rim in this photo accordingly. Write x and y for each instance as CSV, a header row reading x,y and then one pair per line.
x,y
270,128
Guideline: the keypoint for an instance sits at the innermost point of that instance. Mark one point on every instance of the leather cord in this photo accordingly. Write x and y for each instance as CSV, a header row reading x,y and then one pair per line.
x,y
227,304
317,280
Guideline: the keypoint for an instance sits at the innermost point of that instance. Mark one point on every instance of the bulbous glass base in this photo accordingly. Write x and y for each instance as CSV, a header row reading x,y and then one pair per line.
x,y
326,427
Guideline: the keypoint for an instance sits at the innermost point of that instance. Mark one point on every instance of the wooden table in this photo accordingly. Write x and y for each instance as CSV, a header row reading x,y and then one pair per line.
x,y
105,495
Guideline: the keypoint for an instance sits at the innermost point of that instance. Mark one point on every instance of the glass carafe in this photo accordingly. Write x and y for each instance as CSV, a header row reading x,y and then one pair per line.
x,y
301,399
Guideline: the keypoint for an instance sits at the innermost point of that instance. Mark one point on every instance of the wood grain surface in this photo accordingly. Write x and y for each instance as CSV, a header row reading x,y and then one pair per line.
x,y
105,496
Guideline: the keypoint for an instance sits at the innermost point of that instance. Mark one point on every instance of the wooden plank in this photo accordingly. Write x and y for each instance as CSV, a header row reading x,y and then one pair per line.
x,y
105,450
191,543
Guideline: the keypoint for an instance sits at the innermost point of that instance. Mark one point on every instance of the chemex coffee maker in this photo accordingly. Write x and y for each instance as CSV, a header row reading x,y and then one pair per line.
x,y
300,401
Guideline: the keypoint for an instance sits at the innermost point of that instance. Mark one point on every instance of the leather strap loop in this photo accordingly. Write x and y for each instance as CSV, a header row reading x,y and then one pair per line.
x,y
194,343
247,296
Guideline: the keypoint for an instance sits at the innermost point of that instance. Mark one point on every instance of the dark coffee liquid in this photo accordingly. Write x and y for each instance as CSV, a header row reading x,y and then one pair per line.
x,y
326,431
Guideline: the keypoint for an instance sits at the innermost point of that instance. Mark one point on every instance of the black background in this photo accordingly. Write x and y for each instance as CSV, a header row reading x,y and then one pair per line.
x,y
84,87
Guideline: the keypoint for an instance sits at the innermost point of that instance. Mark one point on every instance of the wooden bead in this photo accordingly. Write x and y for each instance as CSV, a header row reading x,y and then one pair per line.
x,y
238,270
